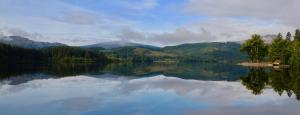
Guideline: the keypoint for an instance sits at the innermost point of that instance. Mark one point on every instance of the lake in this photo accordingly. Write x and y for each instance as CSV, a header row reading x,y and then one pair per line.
x,y
143,89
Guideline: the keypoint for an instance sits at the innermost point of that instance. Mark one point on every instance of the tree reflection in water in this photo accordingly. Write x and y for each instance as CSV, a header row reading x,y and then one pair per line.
x,y
282,81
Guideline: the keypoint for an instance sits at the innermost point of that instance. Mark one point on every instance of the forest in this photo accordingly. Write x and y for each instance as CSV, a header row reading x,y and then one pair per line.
x,y
284,50
65,54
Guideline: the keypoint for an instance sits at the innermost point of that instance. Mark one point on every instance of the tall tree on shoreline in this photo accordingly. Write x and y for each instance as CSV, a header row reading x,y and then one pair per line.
x,y
297,35
288,36
295,53
278,49
255,47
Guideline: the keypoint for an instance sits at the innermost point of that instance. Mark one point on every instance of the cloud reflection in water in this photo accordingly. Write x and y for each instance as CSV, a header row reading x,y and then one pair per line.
x,y
151,95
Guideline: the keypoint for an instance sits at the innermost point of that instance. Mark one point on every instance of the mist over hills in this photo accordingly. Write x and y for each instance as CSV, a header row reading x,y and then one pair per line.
x,y
26,43
118,44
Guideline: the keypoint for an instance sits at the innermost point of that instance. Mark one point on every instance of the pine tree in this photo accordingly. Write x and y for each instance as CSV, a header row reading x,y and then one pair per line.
x,y
289,36
279,36
297,35
278,49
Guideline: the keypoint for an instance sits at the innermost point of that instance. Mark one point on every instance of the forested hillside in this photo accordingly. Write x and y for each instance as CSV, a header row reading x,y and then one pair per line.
x,y
228,51
15,54
198,52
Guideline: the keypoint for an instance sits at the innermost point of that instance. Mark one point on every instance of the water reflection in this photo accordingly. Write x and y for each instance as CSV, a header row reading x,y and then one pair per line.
x,y
206,88
198,71
281,80
150,95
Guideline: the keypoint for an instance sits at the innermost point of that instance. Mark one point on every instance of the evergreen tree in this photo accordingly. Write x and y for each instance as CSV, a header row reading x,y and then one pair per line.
x,y
289,36
295,53
278,49
279,36
297,35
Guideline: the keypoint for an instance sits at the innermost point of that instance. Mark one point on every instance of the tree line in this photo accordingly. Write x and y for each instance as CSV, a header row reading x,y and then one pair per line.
x,y
14,54
286,49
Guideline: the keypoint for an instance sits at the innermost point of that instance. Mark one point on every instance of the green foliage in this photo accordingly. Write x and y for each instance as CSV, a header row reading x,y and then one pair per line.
x,y
297,35
73,54
197,52
134,54
278,50
211,52
295,53
289,36
14,54
283,50
255,47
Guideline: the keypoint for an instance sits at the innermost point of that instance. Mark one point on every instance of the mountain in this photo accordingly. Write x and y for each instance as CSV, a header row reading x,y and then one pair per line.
x,y
118,44
26,43
216,51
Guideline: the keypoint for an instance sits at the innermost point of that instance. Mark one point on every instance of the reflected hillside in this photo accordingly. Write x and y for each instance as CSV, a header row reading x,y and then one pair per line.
x,y
59,70
196,71
282,81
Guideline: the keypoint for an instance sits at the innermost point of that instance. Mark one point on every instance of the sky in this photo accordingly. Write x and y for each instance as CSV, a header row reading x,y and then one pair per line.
x,y
152,22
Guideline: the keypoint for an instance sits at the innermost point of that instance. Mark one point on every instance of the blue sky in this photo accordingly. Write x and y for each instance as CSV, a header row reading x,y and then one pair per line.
x,y
155,22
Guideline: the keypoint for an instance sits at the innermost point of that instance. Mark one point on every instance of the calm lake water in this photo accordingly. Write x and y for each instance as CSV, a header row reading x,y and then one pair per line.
x,y
143,89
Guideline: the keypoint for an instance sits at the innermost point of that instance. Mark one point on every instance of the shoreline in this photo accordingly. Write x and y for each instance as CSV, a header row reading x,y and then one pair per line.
x,y
261,64
256,64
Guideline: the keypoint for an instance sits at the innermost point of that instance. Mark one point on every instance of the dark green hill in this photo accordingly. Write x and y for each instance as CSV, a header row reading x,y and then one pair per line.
x,y
216,51
211,52
15,54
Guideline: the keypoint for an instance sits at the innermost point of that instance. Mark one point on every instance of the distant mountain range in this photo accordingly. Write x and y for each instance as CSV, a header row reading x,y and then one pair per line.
x,y
118,44
218,51
26,43
214,51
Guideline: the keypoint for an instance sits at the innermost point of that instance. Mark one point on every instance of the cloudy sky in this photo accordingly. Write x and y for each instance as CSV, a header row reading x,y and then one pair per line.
x,y
155,22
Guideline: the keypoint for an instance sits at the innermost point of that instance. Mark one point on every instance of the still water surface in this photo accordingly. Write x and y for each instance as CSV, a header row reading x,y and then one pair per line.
x,y
206,89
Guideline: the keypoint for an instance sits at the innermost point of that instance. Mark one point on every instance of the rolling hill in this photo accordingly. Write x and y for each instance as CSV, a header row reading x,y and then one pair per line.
x,y
216,52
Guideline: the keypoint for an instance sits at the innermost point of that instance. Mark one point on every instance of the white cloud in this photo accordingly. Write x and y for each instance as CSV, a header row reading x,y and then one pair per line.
x,y
214,30
271,10
73,24
5,31
229,29
59,22
181,35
